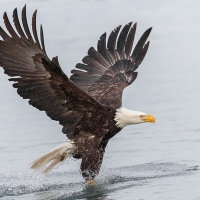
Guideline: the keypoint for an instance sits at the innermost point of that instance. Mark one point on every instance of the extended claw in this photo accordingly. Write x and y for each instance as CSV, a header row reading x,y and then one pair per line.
x,y
90,182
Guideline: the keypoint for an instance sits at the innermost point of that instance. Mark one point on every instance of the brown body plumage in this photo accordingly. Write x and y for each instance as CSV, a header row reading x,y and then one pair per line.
x,y
84,104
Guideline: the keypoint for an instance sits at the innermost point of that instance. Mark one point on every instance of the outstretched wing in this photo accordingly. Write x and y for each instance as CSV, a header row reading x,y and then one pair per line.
x,y
107,71
40,79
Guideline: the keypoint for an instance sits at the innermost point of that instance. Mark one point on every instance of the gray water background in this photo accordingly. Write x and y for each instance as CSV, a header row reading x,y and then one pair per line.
x,y
146,161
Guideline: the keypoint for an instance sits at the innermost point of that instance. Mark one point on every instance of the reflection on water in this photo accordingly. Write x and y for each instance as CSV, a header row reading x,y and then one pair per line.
x,y
155,158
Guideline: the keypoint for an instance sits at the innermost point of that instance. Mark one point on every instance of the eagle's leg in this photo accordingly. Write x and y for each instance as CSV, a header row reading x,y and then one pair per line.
x,y
91,163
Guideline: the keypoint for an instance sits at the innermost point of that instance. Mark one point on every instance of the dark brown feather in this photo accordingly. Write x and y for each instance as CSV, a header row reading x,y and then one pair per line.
x,y
140,44
101,47
142,54
9,27
109,70
25,24
5,36
17,24
42,81
42,40
34,28
112,40
130,40
122,39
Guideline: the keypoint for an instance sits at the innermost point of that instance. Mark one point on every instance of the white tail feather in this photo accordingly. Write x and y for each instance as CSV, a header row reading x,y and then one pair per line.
x,y
54,157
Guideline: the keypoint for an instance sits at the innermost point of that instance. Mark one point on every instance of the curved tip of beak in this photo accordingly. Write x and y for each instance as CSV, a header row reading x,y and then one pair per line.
x,y
149,118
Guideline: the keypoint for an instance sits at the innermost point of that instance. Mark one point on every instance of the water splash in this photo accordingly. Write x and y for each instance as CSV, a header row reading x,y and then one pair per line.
x,y
20,182
24,184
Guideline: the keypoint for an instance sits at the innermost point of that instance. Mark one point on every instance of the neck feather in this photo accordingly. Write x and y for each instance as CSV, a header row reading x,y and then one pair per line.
x,y
124,117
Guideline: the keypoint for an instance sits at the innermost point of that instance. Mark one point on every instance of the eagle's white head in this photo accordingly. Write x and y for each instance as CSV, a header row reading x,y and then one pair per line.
x,y
124,117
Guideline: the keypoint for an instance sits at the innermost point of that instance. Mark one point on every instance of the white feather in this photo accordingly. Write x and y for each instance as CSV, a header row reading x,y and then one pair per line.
x,y
124,117
55,156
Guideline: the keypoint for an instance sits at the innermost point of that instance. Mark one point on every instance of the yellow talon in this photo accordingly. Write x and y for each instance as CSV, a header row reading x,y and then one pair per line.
x,y
90,182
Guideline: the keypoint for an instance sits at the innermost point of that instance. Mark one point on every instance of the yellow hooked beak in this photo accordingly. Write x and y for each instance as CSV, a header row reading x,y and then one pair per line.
x,y
148,118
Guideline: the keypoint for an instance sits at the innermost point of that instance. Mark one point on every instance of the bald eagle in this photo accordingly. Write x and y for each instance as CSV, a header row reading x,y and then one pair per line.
x,y
88,105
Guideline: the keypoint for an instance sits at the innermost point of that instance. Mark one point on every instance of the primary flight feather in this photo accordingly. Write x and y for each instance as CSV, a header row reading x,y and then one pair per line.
x,y
88,105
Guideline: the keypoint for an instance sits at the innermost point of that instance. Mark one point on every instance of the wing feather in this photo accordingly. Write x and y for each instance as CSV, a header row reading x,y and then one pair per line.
x,y
140,44
17,24
25,24
6,38
130,40
122,39
97,56
34,29
9,27
88,68
42,40
93,62
142,54
110,69
41,80
112,40
101,46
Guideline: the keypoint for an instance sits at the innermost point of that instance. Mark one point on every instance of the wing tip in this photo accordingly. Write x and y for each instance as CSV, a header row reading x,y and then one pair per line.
x,y
24,9
148,42
103,36
4,14
15,10
130,23
91,51
149,29
118,27
35,12
134,25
